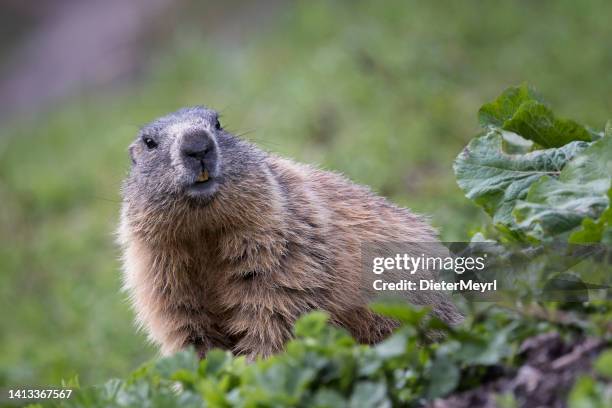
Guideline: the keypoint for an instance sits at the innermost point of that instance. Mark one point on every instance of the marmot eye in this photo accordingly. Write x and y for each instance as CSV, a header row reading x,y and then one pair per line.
x,y
217,124
151,144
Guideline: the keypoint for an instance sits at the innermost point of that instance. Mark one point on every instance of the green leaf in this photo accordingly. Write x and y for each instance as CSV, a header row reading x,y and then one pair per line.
x,y
503,108
587,393
535,121
215,361
557,205
183,360
515,144
444,377
326,398
370,363
495,180
484,348
311,325
519,110
603,364
184,376
369,394
592,231
297,380
394,346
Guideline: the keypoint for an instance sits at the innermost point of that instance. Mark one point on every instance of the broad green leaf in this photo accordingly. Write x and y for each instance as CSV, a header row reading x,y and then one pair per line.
x,y
590,231
297,380
519,110
444,377
486,349
371,362
595,231
515,144
557,205
326,398
495,180
503,108
394,346
535,121
369,394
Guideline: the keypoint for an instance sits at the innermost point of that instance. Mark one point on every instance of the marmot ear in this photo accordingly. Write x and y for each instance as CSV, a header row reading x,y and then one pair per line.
x,y
132,149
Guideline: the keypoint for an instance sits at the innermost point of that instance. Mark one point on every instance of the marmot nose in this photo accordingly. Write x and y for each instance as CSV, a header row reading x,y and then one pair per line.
x,y
196,144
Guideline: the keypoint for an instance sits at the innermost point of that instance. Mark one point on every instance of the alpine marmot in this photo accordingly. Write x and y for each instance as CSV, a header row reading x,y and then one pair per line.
x,y
225,245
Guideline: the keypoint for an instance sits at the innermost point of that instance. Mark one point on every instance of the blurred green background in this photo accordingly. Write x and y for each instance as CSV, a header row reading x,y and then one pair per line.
x,y
385,92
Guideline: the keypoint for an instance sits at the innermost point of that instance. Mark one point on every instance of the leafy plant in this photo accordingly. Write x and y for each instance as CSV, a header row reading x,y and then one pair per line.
x,y
322,367
541,178
520,110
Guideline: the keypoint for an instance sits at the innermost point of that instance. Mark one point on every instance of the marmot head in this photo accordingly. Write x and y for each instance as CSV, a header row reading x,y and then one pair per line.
x,y
186,167
180,155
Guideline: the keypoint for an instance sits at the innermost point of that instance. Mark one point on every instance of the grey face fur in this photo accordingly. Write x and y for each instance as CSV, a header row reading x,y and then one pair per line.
x,y
183,155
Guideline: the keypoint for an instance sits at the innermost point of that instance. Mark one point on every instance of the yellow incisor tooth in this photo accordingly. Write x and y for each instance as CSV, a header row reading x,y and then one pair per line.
x,y
203,176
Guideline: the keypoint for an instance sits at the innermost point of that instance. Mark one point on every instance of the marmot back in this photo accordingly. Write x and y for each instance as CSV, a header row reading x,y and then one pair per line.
x,y
226,246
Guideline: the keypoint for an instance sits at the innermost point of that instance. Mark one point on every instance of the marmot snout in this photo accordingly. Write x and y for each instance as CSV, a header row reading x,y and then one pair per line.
x,y
198,151
225,245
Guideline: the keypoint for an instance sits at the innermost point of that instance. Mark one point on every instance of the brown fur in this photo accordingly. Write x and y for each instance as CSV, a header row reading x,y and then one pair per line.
x,y
237,273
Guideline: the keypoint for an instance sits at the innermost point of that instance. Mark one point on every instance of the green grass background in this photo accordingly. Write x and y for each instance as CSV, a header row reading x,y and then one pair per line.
x,y
385,92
